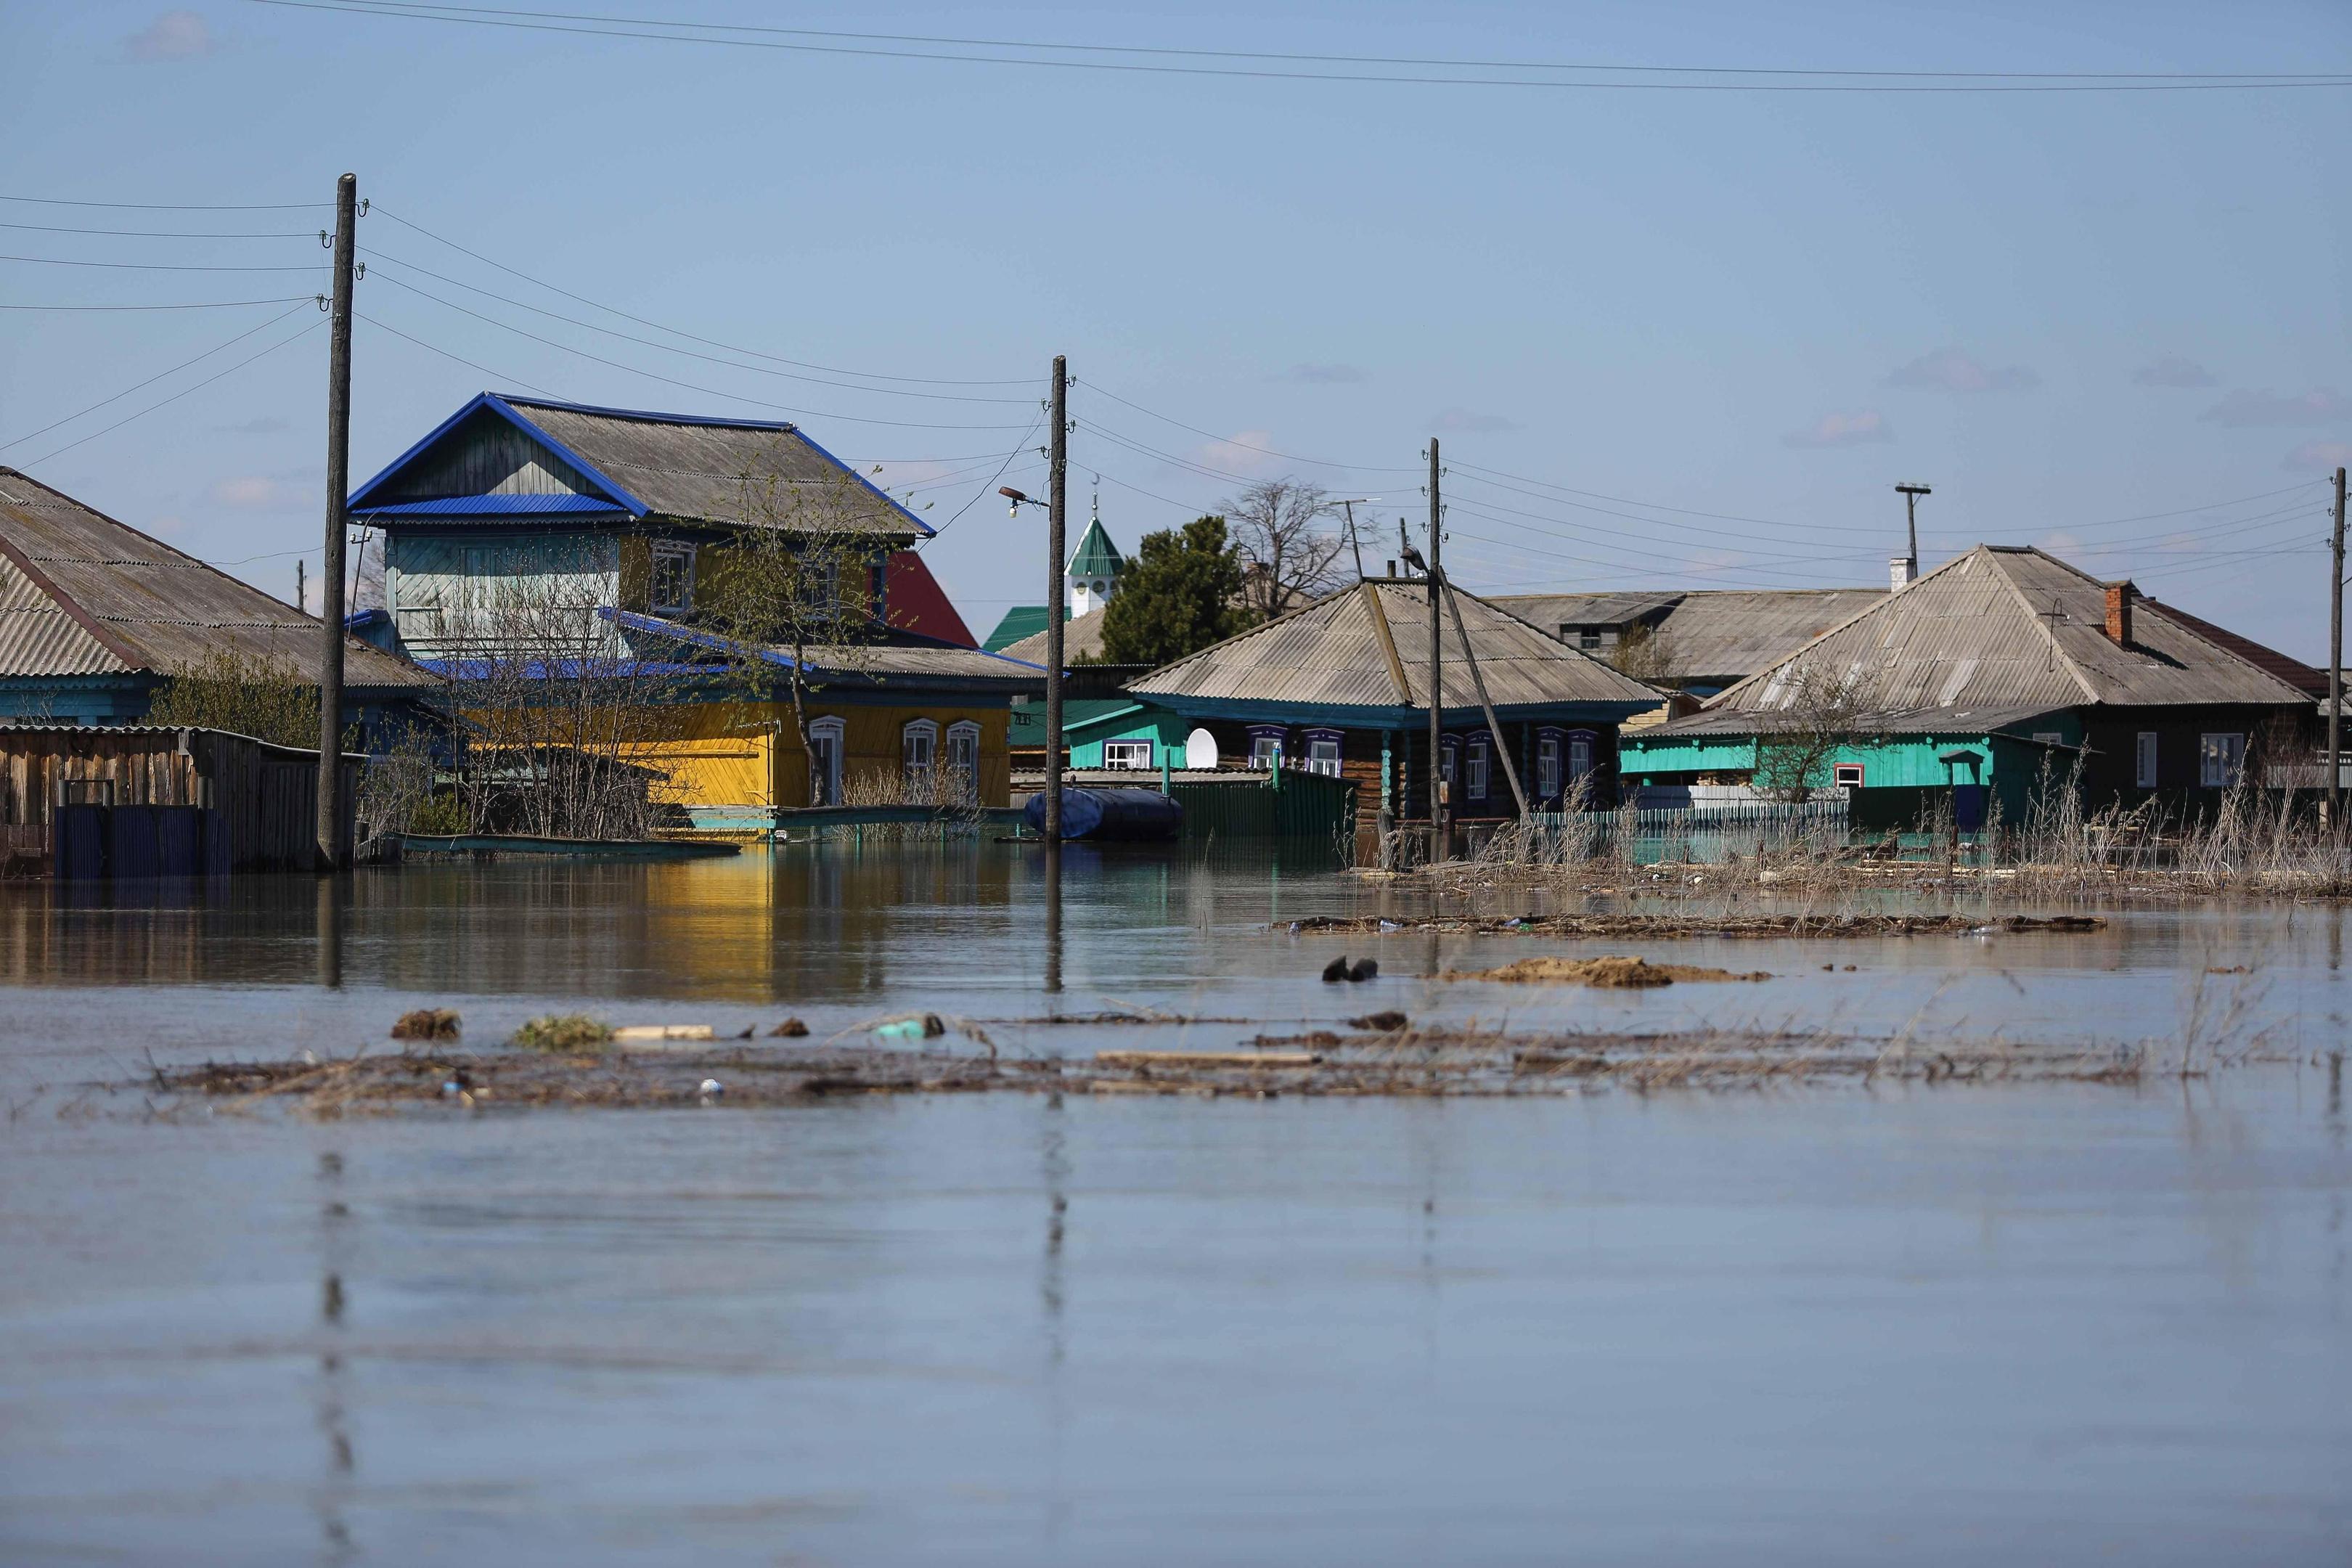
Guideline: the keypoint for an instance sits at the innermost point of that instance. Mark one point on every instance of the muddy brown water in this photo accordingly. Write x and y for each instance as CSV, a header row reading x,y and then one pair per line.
x,y
2047,1322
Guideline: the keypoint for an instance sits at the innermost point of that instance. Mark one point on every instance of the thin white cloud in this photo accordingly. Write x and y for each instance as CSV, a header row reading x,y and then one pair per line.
x,y
2244,408
173,36
2174,371
247,490
1462,421
1868,427
264,425
1243,452
1955,370
1330,374
2325,455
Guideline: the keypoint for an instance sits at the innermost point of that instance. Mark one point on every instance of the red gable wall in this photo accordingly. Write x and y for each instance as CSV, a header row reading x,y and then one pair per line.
x,y
917,603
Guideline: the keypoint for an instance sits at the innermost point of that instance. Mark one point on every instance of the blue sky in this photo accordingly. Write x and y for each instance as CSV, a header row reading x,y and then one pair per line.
x,y
1714,329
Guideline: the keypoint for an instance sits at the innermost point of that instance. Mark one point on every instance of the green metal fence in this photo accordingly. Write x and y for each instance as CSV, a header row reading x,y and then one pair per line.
x,y
1286,805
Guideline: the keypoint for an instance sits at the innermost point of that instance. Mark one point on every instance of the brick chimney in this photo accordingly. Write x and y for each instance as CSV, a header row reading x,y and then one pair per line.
x,y
2119,613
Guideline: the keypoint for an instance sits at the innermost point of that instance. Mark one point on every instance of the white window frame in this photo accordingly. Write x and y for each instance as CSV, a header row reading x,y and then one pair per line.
x,y
919,757
1838,772
826,738
1581,751
1129,755
678,554
1550,756
963,755
1315,762
1266,748
2145,760
2220,759
1475,764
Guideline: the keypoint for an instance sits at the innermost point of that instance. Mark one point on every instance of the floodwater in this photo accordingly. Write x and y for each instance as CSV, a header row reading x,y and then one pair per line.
x,y
2048,1323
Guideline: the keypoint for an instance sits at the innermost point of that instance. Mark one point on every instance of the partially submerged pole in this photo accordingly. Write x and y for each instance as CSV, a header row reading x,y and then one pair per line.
x,y
1436,673
1502,749
2335,672
330,586
1054,566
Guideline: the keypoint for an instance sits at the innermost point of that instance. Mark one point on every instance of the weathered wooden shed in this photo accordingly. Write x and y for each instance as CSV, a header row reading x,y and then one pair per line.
x,y
153,800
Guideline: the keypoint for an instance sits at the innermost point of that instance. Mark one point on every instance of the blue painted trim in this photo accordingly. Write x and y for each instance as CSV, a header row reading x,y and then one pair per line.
x,y
617,493
631,620
502,505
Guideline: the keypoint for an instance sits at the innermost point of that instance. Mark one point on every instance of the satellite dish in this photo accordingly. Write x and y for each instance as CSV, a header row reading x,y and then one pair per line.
x,y
1200,749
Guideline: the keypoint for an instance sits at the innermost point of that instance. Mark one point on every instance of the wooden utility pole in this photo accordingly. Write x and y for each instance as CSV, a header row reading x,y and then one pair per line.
x,y
2335,671
1485,703
301,588
1436,670
1055,562
330,586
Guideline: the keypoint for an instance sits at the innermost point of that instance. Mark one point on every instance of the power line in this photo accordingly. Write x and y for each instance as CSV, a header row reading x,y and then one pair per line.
x,y
184,391
162,233
158,266
990,484
677,332
173,206
651,343
151,381
1246,446
688,386
648,29
494,374
192,305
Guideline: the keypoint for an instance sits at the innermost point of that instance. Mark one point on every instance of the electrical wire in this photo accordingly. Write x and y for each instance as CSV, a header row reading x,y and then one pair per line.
x,y
645,30
992,484
162,233
677,332
152,380
693,387
193,305
184,391
173,206
651,343
1246,446
500,376
159,266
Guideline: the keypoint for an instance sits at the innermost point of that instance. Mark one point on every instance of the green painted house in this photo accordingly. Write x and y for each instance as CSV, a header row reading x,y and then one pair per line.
x,y
1990,678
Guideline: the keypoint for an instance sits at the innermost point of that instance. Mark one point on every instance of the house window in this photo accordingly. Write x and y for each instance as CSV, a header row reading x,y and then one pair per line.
x,y
1265,746
1847,775
673,581
1580,755
919,746
1127,754
824,761
1323,751
964,760
1477,779
1548,763
1587,638
2220,759
1446,756
2144,774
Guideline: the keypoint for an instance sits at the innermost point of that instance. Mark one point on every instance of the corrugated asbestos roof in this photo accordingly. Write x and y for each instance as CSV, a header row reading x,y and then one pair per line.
x,y
1080,637
714,472
1999,629
82,594
1368,646
1716,634
2293,671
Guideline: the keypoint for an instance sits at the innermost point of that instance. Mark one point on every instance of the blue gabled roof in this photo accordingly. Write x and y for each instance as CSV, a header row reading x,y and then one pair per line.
x,y
613,492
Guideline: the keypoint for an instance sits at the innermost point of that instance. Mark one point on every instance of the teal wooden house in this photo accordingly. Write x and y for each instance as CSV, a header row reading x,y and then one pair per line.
x,y
2003,672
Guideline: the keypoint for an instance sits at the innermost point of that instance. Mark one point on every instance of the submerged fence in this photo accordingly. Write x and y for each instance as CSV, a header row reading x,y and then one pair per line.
x,y
1647,834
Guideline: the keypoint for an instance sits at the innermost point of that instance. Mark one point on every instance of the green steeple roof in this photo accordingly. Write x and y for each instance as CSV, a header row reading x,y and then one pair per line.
x,y
1095,555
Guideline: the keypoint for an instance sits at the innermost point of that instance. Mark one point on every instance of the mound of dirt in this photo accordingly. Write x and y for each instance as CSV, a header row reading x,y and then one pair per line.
x,y
1614,971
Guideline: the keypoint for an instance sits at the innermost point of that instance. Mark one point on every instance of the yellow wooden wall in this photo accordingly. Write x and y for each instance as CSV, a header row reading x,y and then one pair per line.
x,y
748,753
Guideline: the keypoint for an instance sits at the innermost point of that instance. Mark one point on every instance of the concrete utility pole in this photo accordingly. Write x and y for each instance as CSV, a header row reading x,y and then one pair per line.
x,y
1911,494
331,587
1057,474
2335,671
1436,668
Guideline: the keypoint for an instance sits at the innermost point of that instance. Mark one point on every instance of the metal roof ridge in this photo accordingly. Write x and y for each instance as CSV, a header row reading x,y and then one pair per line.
x,y
2041,625
1387,634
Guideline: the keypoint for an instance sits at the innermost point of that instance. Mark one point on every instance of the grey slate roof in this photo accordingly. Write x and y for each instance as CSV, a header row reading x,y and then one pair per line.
x,y
82,594
1711,634
695,471
1369,646
2002,629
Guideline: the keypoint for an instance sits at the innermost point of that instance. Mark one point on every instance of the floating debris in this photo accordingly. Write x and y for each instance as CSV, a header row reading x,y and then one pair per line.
x,y
1727,925
1364,969
1334,970
426,1024
921,1026
632,1033
790,1030
1387,1023
1616,972
563,1031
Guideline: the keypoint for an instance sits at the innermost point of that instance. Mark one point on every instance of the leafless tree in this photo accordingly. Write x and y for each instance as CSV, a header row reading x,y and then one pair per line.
x,y
1290,553
1819,713
799,579
1646,653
